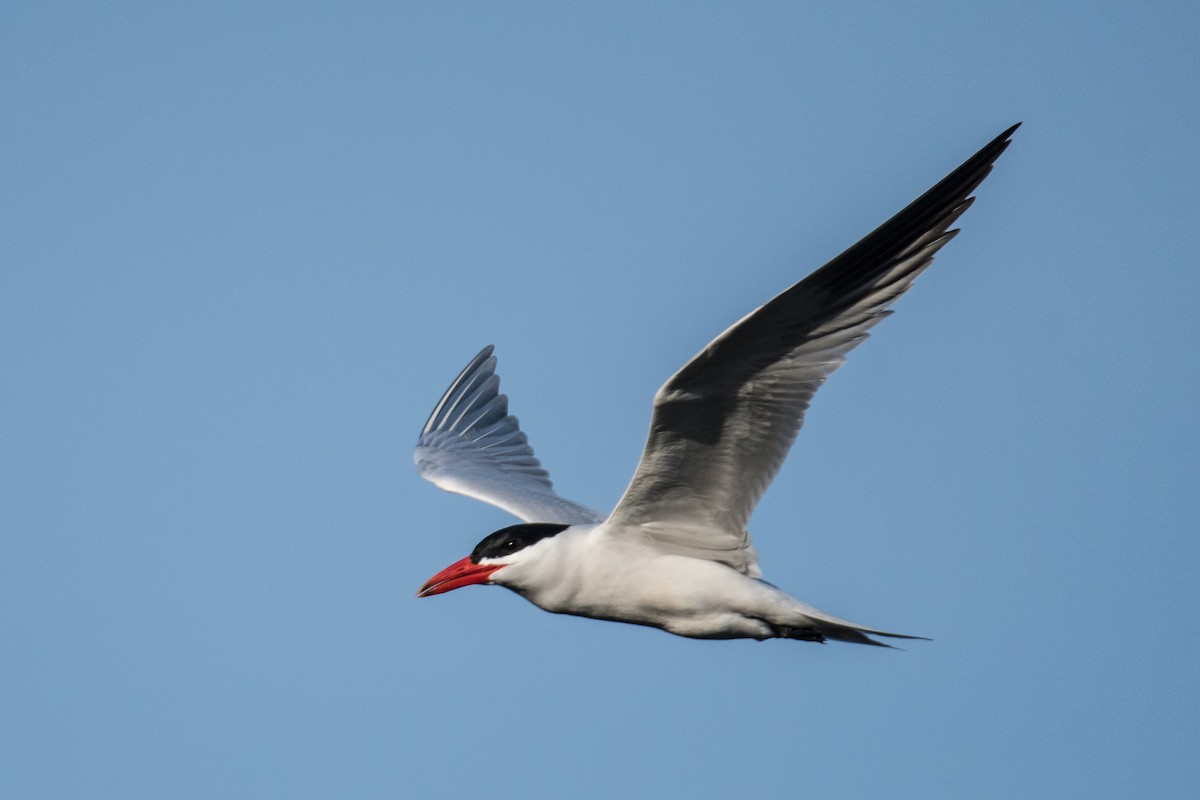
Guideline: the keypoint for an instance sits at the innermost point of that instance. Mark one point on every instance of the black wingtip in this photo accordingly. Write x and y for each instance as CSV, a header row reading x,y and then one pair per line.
x,y
992,150
1004,137
1001,142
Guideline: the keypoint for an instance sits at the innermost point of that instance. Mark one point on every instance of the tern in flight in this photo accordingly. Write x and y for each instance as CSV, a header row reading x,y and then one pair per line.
x,y
675,553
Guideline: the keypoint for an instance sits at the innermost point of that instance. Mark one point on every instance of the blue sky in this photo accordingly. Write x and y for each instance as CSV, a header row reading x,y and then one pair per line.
x,y
242,251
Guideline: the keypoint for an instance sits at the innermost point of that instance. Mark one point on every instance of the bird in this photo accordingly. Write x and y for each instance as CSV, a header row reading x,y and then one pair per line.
x,y
675,552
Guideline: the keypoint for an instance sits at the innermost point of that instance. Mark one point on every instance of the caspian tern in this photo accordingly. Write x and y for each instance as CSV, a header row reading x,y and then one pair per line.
x,y
675,553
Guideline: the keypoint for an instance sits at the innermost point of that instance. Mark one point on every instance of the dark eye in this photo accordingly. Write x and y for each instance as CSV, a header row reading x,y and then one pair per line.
x,y
510,546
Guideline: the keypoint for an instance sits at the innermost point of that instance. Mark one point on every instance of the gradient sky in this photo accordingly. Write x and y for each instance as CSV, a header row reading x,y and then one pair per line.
x,y
244,247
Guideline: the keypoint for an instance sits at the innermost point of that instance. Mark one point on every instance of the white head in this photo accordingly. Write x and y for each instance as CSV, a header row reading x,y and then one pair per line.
x,y
507,547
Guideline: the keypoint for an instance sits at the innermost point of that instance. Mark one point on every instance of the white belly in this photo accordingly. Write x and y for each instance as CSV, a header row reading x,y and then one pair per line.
x,y
685,596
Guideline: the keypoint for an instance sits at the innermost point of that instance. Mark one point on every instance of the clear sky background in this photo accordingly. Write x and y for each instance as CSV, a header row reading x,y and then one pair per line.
x,y
244,247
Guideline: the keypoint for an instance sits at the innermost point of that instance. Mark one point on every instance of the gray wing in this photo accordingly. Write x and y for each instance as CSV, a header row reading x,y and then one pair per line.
x,y
723,424
472,446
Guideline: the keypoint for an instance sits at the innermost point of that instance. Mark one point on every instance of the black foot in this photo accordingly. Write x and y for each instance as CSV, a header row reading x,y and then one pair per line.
x,y
802,634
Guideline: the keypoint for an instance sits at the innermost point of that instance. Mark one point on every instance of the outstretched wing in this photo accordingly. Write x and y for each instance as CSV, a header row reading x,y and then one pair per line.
x,y
472,445
723,423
